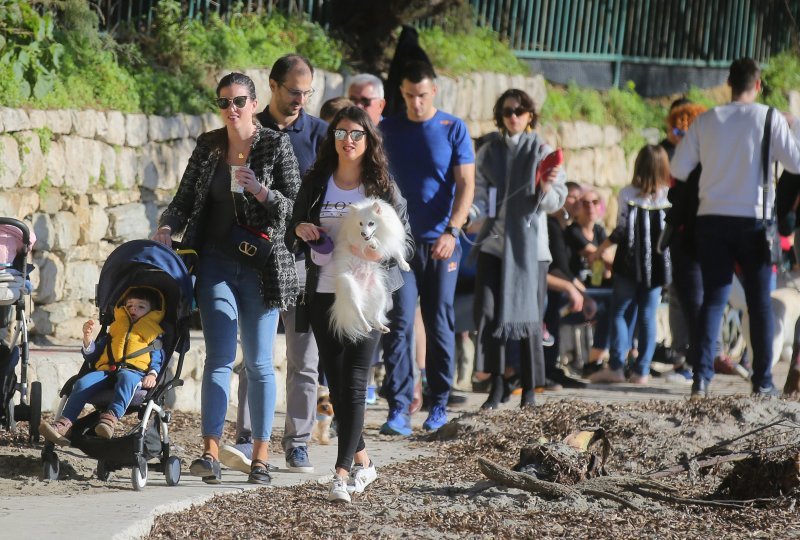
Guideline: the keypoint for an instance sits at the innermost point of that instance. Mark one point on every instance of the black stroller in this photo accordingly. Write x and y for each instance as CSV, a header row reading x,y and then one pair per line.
x,y
14,294
139,263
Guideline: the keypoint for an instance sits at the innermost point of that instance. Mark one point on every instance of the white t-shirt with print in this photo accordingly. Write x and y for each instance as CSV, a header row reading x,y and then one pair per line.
x,y
334,208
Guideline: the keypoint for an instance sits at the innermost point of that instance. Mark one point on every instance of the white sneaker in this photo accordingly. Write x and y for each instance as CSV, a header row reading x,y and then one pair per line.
x,y
361,477
338,492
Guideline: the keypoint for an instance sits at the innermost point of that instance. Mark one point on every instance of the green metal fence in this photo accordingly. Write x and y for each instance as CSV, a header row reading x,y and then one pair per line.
x,y
703,33
683,32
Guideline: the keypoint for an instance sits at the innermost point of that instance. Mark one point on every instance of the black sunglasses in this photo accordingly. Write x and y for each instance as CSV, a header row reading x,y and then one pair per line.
x,y
519,111
240,101
355,135
363,101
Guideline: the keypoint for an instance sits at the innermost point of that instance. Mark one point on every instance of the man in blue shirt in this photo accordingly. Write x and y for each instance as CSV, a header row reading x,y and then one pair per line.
x,y
432,160
290,82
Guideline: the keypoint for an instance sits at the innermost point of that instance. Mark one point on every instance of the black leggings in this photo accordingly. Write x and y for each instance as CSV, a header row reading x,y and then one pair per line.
x,y
346,366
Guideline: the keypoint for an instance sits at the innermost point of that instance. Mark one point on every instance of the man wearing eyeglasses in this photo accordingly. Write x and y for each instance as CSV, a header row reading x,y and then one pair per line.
x,y
290,81
366,91
432,160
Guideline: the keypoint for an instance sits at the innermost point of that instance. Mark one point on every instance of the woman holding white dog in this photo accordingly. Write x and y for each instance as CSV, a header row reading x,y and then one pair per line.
x,y
513,254
351,166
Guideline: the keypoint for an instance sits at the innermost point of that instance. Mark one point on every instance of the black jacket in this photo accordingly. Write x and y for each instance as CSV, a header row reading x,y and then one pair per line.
x,y
273,161
307,208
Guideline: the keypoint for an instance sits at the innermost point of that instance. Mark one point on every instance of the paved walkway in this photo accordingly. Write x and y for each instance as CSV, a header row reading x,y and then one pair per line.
x,y
130,515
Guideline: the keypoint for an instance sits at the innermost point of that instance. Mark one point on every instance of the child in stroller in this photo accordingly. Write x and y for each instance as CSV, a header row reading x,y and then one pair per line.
x,y
154,267
128,357
16,242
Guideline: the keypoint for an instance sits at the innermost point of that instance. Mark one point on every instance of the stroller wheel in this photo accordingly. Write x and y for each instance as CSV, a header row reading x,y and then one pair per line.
x,y
50,466
139,475
102,473
172,470
36,411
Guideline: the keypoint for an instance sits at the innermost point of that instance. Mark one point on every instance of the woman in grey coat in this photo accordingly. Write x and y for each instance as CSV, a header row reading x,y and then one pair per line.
x,y
512,252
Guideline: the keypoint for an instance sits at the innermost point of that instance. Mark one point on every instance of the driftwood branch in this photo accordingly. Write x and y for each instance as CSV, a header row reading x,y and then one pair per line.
x,y
619,499
711,461
509,478
683,500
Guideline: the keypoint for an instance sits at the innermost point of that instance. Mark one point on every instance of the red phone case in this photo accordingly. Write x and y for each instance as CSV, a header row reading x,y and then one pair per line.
x,y
551,160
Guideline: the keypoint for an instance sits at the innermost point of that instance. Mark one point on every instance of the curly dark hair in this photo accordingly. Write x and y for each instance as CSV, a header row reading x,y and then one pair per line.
x,y
375,174
525,101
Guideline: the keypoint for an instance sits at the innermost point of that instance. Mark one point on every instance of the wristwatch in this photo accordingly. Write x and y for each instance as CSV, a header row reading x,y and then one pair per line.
x,y
455,231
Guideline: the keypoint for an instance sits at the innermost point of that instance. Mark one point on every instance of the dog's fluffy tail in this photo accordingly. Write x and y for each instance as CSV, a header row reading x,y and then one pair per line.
x,y
347,318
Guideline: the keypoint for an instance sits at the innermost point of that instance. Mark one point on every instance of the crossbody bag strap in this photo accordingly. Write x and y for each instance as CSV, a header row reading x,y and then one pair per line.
x,y
765,142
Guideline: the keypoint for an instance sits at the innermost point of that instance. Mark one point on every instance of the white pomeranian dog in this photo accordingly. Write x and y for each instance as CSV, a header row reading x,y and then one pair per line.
x,y
361,299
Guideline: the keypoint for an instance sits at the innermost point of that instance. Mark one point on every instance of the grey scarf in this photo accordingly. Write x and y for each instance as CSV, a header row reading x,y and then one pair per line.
x,y
518,308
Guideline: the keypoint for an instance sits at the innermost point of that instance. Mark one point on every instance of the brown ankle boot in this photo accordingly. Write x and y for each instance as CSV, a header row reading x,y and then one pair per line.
x,y
106,424
57,432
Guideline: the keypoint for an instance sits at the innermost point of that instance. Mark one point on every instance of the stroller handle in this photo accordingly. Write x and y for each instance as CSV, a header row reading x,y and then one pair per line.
x,y
26,233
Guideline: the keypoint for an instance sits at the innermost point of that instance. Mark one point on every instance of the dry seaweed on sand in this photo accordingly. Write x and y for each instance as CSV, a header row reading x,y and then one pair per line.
x,y
446,495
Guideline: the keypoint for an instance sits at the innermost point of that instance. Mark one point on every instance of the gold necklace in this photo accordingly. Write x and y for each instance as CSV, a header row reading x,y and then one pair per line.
x,y
241,155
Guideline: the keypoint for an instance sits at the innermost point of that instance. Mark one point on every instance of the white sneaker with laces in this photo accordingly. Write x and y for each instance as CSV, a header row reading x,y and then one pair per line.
x,y
361,477
338,492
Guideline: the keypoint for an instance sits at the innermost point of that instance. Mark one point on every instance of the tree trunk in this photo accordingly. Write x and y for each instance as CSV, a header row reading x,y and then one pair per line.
x,y
368,27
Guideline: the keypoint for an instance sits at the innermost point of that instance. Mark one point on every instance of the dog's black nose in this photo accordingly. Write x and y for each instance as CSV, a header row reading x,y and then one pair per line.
x,y
364,234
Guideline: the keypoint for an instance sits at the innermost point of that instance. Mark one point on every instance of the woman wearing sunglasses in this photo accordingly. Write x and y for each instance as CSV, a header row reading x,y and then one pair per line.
x,y
351,166
240,176
512,253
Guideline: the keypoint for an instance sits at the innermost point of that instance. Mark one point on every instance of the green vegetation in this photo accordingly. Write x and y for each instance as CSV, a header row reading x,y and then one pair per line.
x,y
778,77
44,185
45,139
55,56
72,64
623,108
478,49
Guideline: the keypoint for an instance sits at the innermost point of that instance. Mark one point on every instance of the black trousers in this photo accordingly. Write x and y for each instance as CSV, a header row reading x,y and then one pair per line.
x,y
491,353
346,367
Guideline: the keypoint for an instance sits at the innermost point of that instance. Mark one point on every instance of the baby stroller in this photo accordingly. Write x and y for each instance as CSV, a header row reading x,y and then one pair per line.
x,y
15,293
139,263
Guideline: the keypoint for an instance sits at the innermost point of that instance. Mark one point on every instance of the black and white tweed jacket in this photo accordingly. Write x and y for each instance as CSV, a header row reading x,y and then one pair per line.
x,y
273,161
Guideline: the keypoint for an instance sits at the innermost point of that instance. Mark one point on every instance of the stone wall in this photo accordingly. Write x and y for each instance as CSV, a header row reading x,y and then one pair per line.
x,y
91,180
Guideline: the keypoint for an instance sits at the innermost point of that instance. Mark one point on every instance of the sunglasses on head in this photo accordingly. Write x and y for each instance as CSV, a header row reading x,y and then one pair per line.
x,y
240,101
519,111
363,101
355,134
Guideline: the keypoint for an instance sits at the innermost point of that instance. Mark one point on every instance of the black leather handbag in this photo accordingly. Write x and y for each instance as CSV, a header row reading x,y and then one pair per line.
x,y
246,244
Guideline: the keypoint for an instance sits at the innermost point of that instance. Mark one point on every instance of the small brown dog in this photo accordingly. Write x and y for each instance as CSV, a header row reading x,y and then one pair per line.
x,y
321,431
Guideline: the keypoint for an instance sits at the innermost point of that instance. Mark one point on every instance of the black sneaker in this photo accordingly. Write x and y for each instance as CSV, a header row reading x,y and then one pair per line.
x,y
456,399
207,468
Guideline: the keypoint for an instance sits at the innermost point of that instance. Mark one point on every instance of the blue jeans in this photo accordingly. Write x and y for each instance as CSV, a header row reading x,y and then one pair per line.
x,y
434,282
124,381
722,242
627,293
229,297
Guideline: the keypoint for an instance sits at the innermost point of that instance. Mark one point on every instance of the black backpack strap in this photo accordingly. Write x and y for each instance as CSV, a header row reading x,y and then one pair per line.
x,y
765,142
155,345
